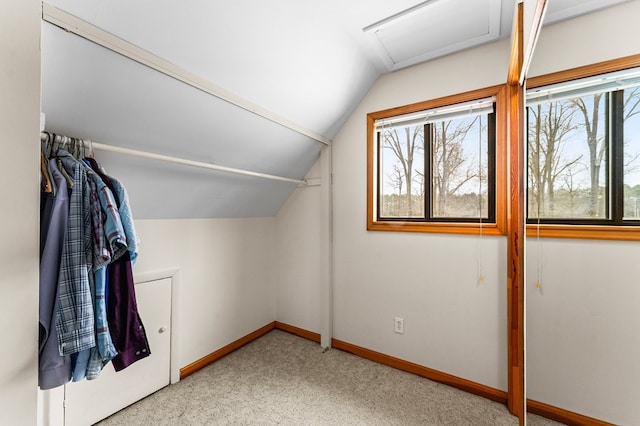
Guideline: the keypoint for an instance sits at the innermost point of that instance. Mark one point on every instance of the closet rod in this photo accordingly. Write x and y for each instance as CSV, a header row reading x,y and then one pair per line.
x,y
84,29
184,162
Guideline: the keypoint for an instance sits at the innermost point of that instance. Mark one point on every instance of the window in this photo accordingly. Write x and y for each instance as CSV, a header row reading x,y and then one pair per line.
x,y
433,166
584,151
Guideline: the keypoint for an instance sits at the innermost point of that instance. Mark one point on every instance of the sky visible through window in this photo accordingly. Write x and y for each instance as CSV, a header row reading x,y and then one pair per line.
x,y
459,158
569,158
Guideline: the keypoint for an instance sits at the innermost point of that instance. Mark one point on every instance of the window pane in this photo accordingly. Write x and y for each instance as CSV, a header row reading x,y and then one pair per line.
x,y
459,168
401,172
632,154
568,158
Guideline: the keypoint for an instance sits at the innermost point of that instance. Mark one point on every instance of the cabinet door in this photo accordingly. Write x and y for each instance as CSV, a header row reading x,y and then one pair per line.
x,y
90,401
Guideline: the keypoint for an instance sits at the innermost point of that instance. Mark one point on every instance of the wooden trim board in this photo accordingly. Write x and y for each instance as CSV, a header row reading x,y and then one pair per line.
x,y
226,350
435,375
516,389
535,407
315,337
562,416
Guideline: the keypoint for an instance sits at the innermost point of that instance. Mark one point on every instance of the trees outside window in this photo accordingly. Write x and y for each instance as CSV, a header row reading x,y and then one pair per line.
x,y
459,167
443,176
584,156
402,166
441,165
434,166
631,161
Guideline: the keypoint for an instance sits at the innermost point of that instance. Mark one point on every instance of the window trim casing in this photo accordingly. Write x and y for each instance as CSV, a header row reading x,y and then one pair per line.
x,y
497,228
581,230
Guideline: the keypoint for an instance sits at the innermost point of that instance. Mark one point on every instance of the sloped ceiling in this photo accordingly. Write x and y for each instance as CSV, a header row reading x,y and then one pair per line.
x,y
310,63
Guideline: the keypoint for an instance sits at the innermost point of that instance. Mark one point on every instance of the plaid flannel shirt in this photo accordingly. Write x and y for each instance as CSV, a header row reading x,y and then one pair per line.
x,y
116,240
75,320
101,254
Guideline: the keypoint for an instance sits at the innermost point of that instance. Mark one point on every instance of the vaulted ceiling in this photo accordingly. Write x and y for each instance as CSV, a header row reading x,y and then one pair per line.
x,y
307,64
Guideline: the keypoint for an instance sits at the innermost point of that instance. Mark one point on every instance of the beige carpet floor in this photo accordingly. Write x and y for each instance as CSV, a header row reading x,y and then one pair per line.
x,y
282,379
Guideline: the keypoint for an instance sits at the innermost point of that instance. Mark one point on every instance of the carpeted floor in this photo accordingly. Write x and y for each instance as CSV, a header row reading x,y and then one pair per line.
x,y
282,379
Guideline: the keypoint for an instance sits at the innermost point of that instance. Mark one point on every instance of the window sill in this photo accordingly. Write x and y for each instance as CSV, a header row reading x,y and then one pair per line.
x,y
436,227
589,232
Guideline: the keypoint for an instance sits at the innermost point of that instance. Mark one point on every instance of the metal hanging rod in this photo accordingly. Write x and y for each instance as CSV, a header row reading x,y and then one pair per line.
x,y
182,161
109,41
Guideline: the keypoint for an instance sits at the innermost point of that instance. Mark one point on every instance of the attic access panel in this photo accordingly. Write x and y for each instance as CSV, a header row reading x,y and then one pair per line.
x,y
434,28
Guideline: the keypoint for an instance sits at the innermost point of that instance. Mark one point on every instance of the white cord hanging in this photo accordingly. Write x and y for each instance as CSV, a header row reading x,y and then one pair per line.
x,y
480,273
539,250
538,243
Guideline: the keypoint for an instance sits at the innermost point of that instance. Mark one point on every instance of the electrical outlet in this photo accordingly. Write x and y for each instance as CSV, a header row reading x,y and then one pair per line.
x,y
398,325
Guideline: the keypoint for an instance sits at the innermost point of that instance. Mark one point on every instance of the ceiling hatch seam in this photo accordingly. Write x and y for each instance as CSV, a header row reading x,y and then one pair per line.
x,y
79,27
182,161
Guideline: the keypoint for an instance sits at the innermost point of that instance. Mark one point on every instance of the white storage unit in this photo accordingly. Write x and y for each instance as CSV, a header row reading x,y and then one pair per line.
x,y
88,402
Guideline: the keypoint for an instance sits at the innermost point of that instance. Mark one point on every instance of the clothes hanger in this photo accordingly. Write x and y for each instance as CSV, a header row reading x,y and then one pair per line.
x,y
72,148
45,145
75,148
55,145
79,149
47,187
45,150
61,143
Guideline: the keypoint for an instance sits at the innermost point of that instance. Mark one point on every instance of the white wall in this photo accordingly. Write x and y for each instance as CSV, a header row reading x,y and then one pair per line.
x,y
452,324
583,342
608,34
583,330
227,277
19,121
298,263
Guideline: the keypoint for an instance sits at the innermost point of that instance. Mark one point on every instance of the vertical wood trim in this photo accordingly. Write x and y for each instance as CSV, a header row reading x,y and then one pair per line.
x,y
517,45
515,253
515,226
502,165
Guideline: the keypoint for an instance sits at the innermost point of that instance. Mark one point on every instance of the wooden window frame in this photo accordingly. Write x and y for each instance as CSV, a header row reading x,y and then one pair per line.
x,y
495,228
578,229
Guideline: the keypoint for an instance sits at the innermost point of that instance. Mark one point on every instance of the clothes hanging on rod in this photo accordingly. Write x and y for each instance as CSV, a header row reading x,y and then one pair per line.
x,y
175,160
88,309
191,163
54,369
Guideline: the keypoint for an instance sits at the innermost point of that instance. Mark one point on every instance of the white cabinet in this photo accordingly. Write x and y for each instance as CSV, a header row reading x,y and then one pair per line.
x,y
90,401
